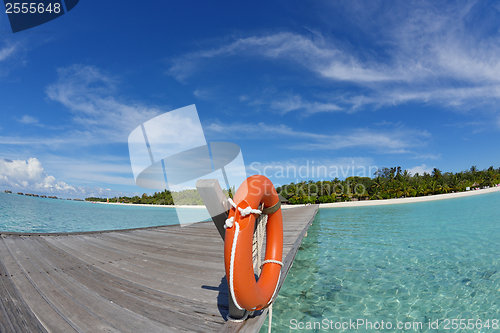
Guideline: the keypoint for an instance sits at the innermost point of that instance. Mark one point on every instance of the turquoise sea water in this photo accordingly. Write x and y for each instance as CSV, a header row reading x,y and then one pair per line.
x,y
406,264
30,214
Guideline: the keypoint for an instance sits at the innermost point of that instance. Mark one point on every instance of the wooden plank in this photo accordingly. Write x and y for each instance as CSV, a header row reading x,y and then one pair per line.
x,y
68,307
126,314
45,312
15,314
123,267
114,286
164,279
142,278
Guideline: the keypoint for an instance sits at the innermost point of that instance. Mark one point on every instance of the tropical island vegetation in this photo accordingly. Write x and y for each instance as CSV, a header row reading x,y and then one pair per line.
x,y
387,183
186,197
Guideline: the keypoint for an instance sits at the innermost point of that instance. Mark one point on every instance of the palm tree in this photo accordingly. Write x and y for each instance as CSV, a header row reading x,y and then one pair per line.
x,y
454,182
392,174
405,189
477,179
435,186
376,196
378,183
436,173
489,178
445,188
421,189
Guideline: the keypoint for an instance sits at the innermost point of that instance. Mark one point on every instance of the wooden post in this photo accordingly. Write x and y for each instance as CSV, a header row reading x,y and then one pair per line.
x,y
218,207
216,202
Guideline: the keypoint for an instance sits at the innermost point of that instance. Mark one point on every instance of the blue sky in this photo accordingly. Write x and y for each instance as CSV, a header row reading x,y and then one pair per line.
x,y
293,83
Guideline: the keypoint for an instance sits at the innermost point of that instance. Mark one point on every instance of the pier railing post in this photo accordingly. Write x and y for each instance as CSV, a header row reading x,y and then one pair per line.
x,y
218,207
216,202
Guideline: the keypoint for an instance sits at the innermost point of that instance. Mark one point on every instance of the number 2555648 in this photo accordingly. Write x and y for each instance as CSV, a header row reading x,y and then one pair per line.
x,y
32,8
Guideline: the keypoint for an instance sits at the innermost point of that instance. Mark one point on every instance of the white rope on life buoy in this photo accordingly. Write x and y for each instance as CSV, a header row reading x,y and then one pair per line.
x,y
229,224
243,212
231,266
269,261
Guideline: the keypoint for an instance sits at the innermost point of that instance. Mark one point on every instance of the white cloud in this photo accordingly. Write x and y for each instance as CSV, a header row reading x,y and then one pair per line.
x,y
318,55
26,119
421,52
98,116
7,51
88,94
294,103
427,157
356,72
30,120
420,169
11,55
92,169
73,139
204,94
396,140
30,176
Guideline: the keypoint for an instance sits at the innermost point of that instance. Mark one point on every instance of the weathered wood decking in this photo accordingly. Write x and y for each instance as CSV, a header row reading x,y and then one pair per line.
x,y
164,279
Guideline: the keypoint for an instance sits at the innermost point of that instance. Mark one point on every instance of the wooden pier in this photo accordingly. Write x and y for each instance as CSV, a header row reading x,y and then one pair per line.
x,y
161,279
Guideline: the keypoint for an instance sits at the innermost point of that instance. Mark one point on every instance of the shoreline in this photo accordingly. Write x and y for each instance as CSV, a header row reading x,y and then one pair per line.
x,y
146,205
174,206
409,200
344,204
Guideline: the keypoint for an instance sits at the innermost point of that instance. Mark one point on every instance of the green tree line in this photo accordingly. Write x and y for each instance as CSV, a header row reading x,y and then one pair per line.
x,y
166,197
389,183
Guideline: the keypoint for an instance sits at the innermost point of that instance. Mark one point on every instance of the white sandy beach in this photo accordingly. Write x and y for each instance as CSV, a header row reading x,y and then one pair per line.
x,y
409,200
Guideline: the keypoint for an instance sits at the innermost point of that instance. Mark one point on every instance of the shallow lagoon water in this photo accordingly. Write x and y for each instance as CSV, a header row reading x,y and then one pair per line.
x,y
407,263
30,214
419,262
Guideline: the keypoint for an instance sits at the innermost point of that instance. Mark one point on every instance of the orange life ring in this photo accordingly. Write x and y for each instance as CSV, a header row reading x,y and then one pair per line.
x,y
247,292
